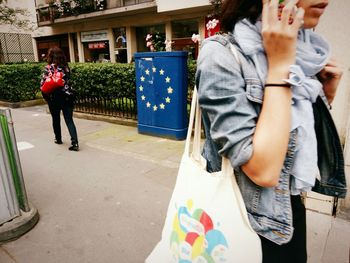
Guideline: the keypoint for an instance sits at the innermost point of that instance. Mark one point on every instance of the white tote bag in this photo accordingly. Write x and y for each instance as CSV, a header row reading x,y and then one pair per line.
x,y
207,220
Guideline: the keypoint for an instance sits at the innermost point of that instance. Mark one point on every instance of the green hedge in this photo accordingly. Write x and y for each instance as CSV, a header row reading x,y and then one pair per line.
x,y
104,80
20,82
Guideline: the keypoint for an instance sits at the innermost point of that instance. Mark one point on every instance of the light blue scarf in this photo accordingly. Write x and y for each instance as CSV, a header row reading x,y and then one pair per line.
x,y
311,57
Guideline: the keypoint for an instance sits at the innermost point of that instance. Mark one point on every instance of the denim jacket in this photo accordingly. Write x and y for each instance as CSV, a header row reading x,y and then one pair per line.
x,y
231,96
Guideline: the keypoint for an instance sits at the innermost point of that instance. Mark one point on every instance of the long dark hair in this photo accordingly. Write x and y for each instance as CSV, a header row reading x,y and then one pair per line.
x,y
56,56
234,10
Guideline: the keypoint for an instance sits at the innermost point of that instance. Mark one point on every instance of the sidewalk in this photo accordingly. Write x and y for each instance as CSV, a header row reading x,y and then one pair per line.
x,y
107,203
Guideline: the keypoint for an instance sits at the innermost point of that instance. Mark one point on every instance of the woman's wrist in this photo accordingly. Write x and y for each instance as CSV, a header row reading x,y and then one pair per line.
x,y
277,77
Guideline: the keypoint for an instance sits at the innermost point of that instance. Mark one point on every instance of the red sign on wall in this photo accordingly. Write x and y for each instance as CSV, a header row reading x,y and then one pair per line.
x,y
97,45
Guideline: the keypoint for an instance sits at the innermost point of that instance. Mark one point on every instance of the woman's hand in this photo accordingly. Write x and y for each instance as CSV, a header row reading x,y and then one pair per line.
x,y
330,77
280,35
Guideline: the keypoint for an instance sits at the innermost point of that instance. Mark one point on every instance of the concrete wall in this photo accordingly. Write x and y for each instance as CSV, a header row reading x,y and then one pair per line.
x,y
29,5
166,5
335,28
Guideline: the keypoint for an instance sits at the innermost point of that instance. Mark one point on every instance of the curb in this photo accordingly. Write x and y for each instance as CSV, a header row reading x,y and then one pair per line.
x,y
114,120
19,226
22,104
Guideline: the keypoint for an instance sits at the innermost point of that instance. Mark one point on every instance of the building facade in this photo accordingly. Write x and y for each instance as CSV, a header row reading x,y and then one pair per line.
x,y
113,30
16,44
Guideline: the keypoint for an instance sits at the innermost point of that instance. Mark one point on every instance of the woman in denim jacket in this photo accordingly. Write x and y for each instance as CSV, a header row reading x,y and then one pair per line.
x,y
258,112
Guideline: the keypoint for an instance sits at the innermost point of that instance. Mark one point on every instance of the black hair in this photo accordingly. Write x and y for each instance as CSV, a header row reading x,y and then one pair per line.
x,y
56,56
234,10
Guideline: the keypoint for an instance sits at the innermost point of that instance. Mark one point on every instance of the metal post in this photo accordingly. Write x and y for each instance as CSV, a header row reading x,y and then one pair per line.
x,y
7,179
18,162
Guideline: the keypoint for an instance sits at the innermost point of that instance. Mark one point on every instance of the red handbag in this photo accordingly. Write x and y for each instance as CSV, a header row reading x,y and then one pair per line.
x,y
52,82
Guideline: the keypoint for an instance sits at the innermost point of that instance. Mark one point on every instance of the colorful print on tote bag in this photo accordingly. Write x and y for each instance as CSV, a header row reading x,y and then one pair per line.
x,y
196,237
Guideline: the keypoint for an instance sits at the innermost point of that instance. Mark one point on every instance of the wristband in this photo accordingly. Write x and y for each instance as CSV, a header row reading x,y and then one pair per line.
x,y
278,85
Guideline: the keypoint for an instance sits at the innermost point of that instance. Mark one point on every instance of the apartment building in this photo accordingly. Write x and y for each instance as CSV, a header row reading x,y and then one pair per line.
x,y
113,30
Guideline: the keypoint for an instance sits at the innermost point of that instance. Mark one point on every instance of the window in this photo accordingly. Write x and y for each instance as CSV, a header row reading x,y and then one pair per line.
x,y
120,45
141,33
182,32
184,29
97,51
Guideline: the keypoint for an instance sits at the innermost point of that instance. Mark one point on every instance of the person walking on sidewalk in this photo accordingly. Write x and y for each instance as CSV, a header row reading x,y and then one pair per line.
x,y
61,99
257,87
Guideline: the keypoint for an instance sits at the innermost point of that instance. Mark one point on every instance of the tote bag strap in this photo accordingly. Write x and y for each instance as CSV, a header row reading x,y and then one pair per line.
x,y
195,120
226,168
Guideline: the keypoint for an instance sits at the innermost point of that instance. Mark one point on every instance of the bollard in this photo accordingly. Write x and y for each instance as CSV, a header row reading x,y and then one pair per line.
x,y
17,215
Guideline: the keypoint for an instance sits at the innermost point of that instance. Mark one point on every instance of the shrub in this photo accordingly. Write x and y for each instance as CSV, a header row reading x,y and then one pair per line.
x,y
104,80
192,67
20,82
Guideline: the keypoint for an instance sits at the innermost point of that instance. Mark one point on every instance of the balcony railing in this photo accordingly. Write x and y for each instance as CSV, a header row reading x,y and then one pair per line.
x,y
66,8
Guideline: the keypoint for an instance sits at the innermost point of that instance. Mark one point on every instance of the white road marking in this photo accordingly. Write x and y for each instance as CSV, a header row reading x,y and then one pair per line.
x,y
24,146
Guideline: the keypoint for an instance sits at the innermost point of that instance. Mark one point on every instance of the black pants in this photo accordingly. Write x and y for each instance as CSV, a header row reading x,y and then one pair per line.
x,y
56,106
295,250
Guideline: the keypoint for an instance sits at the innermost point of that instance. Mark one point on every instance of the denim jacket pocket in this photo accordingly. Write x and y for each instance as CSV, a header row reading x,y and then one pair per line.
x,y
254,90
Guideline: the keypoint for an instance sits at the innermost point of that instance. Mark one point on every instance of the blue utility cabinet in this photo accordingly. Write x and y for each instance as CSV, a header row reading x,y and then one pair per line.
x,y
161,89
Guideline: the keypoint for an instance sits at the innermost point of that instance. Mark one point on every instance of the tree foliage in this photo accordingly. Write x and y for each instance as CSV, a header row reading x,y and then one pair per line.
x,y
17,17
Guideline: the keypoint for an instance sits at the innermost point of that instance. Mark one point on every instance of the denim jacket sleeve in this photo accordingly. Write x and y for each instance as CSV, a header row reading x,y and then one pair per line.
x,y
224,102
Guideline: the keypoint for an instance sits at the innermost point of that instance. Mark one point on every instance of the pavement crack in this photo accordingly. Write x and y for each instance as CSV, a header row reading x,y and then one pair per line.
x,y
8,254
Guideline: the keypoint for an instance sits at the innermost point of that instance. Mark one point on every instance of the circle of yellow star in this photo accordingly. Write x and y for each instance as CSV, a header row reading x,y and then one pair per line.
x,y
143,97
141,88
155,108
147,71
167,100
161,72
162,106
148,104
170,90
167,80
154,69
142,78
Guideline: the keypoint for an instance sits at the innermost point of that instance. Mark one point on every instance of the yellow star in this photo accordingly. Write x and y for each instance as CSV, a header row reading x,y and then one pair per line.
x,y
141,88
167,80
155,108
167,100
142,78
148,104
162,106
161,72
143,97
147,72
154,69
170,90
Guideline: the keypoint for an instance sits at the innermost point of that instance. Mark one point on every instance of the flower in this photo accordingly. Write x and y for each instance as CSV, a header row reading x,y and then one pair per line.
x,y
212,24
196,38
212,27
74,4
155,41
148,37
168,44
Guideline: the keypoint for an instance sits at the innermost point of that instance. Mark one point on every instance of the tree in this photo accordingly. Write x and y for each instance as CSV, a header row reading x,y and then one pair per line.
x,y
17,17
